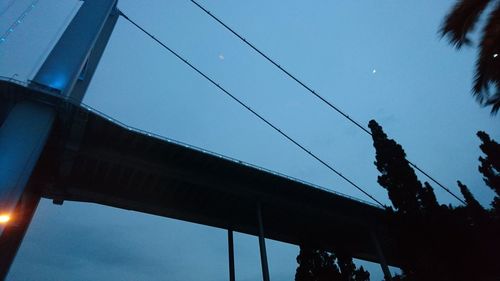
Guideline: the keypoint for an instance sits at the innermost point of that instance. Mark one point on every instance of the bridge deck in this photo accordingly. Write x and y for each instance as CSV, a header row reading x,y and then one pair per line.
x,y
92,159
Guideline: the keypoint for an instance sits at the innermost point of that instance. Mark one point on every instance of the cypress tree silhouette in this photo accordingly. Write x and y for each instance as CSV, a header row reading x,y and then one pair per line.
x,y
436,242
472,203
439,242
476,214
406,194
490,166
427,199
405,190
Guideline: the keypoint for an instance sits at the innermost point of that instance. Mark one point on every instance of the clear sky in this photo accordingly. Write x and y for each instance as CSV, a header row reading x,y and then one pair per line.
x,y
378,60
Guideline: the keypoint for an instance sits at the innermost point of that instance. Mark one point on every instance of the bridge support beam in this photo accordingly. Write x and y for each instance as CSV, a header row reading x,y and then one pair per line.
x,y
22,138
230,247
262,245
380,253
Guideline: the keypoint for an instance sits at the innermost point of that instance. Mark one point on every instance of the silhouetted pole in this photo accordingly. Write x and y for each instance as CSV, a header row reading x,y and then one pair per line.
x,y
381,257
262,245
230,247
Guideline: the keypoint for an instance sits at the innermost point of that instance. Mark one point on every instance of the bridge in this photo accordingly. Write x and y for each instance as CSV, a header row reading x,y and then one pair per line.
x,y
53,146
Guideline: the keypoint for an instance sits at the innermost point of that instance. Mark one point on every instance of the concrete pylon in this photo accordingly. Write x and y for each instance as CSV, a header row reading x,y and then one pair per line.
x,y
27,125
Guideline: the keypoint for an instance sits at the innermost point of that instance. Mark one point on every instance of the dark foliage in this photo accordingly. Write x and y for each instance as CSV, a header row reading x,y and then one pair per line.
x,y
436,242
490,166
348,270
432,241
405,190
458,25
427,199
319,265
476,212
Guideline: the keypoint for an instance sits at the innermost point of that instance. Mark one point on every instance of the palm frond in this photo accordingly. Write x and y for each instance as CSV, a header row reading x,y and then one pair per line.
x,y
488,62
462,20
494,101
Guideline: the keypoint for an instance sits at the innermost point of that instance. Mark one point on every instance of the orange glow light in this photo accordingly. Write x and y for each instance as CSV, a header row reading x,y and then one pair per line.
x,y
4,218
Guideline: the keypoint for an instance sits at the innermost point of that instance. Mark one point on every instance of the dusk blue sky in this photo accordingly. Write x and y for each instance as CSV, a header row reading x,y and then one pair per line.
x,y
380,60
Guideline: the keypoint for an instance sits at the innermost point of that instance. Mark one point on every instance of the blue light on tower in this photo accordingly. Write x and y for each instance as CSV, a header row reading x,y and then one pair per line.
x,y
58,81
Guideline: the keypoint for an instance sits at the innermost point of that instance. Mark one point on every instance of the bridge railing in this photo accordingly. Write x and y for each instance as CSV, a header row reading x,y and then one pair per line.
x,y
55,94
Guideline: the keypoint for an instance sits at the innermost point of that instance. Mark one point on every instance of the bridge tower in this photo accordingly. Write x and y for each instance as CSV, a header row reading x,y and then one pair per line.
x,y
26,125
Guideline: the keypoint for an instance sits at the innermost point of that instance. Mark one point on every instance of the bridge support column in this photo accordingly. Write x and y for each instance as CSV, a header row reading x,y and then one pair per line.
x,y
230,247
380,253
22,138
262,245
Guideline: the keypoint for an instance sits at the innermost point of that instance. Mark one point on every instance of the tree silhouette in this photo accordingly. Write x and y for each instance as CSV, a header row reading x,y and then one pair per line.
x,y
469,198
434,242
438,242
427,199
490,166
348,270
320,265
405,190
416,206
477,213
490,169
457,27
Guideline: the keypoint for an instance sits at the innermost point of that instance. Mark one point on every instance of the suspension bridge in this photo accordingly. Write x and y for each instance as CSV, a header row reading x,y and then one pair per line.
x,y
54,146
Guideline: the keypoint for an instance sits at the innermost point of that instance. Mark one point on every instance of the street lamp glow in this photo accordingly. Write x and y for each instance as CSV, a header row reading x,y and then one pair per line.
x,y
4,218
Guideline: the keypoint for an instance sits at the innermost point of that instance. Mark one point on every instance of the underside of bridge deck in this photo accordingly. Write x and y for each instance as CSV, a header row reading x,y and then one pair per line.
x,y
90,158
